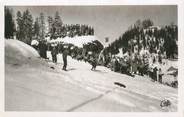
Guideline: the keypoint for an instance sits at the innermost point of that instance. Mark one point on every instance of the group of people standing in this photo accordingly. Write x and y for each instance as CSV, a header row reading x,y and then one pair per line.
x,y
116,64
145,64
65,52
155,74
42,48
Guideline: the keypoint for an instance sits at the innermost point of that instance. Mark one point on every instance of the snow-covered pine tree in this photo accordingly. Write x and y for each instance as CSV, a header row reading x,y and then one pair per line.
x,y
57,25
50,22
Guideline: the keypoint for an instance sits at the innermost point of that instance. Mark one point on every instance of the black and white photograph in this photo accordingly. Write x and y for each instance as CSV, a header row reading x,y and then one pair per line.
x,y
91,58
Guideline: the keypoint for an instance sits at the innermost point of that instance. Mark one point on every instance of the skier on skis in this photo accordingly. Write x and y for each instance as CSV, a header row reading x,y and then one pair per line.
x,y
92,60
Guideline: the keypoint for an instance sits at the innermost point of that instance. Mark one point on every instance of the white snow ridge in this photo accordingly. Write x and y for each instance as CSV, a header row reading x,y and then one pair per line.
x,y
77,40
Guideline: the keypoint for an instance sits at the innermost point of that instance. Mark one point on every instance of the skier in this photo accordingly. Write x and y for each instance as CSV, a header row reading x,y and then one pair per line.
x,y
93,63
65,53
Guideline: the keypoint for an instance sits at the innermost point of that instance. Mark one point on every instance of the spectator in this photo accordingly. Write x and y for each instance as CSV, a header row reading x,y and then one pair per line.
x,y
65,53
43,49
155,74
160,75
54,53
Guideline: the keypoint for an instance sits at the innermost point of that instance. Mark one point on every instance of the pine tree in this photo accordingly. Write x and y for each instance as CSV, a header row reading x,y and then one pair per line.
x,y
146,23
50,22
20,30
27,26
42,26
36,29
57,25
9,24
92,31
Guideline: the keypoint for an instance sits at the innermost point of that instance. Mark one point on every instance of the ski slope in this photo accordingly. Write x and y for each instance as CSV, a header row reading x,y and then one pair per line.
x,y
40,85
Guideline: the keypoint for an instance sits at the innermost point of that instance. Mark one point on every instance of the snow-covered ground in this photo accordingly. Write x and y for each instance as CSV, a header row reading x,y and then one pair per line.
x,y
34,84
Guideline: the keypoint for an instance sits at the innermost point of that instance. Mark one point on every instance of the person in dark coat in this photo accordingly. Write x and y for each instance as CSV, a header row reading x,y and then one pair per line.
x,y
115,64
160,75
43,49
150,72
155,74
54,53
123,67
93,63
65,53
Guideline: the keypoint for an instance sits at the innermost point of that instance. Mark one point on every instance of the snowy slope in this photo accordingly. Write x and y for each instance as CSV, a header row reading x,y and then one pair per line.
x,y
35,86
17,52
22,48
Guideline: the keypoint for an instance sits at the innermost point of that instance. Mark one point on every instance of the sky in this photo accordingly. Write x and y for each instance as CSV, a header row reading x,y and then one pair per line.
x,y
108,21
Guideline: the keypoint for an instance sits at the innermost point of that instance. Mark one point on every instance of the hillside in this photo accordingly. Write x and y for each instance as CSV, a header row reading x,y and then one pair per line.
x,y
34,84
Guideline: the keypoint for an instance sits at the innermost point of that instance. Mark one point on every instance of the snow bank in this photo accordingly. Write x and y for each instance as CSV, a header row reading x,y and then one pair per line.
x,y
77,40
18,51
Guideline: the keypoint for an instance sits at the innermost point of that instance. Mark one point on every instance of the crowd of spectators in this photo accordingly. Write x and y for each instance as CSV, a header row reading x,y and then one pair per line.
x,y
143,51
